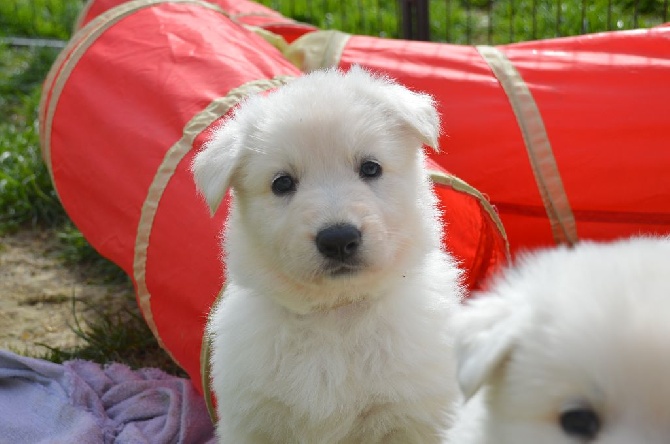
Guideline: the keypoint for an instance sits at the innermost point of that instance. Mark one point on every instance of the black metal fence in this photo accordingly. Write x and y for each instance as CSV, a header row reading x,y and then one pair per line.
x,y
495,21
475,21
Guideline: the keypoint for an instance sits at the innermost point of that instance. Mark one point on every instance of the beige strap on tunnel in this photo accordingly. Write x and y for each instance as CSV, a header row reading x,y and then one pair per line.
x,y
317,50
537,143
173,157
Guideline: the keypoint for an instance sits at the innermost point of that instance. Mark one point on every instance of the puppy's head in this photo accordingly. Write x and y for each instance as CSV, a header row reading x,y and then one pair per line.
x,y
573,346
330,196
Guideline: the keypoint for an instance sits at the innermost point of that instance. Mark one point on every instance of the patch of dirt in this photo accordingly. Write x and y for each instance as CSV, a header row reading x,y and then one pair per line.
x,y
37,293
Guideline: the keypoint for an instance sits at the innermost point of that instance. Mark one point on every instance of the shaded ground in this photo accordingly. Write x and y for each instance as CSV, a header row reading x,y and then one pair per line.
x,y
40,295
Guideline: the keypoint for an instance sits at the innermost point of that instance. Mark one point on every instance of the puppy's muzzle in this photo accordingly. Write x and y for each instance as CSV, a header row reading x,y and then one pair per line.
x,y
339,242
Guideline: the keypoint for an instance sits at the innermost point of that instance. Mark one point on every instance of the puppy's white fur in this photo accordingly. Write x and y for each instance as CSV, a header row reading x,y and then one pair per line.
x,y
301,354
566,337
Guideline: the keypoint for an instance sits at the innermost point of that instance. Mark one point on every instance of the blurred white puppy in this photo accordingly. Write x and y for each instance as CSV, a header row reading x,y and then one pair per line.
x,y
335,322
572,346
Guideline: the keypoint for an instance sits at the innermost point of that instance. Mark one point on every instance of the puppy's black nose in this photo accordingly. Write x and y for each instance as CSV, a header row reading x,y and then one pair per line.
x,y
339,241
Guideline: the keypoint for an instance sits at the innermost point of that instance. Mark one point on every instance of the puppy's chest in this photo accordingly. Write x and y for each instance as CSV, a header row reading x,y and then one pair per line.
x,y
315,368
333,365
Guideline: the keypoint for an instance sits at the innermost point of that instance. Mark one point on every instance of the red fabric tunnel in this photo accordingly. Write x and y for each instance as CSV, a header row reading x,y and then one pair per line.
x,y
125,107
569,137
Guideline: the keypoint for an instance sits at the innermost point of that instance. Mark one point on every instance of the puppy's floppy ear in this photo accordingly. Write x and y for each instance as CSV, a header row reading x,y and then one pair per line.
x,y
487,330
417,110
213,167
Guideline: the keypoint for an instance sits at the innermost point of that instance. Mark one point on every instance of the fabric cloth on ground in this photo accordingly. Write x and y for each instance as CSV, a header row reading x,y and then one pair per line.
x,y
86,403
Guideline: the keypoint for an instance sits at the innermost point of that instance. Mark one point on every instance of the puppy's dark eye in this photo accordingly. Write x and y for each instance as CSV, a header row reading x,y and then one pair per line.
x,y
283,184
581,423
370,170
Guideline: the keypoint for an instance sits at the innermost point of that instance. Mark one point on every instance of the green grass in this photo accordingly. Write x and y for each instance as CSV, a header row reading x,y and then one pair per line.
x,y
38,18
370,17
479,21
114,336
566,18
26,193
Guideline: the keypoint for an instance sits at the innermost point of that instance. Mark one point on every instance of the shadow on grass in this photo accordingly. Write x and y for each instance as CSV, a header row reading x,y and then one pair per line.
x,y
119,335
113,333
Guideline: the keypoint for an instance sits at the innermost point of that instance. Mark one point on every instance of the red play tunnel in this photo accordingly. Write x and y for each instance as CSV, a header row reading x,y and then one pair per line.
x,y
125,107
569,138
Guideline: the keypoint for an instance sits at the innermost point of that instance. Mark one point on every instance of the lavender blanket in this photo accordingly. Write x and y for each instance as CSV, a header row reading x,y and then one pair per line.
x,y
82,402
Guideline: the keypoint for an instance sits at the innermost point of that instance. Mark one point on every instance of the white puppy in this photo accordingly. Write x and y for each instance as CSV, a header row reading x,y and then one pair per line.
x,y
334,326
570,347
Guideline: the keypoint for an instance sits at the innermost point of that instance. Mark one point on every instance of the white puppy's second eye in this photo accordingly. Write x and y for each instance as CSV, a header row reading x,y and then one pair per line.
x,y
581,422
370,170
283,184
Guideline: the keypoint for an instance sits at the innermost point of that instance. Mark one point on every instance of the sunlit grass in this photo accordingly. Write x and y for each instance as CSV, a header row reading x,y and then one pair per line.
x,y
43,18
